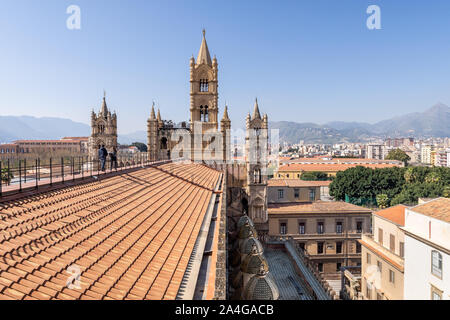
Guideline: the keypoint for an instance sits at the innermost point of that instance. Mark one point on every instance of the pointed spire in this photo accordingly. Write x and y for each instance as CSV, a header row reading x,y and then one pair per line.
x,y
104,109
256,114
203,54
225,114
159,116
152,114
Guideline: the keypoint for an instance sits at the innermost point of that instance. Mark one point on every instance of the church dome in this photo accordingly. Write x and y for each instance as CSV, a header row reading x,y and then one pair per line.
x,y
261,286
247,231
242,220
246,246
254,262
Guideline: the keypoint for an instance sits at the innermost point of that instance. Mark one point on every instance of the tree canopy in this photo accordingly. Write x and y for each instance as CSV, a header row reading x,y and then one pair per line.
x,y
398,154
314,176
396,185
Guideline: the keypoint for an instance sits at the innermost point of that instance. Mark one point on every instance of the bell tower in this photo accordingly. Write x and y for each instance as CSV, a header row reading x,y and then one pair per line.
x,y
204,94
256,158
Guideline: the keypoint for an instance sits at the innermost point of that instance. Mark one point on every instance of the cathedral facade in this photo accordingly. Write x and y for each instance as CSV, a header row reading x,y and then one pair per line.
x,y
103,130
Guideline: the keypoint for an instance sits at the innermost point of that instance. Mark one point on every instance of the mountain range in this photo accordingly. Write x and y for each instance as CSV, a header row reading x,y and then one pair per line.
x,y
434,122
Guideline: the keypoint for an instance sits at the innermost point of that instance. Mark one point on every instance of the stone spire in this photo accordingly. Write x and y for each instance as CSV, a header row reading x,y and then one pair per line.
x,y
104,109
158,116
256,114
203,54
225,114
152,114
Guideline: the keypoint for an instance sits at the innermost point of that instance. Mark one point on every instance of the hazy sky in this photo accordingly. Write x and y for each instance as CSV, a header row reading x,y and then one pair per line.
x,y
306,61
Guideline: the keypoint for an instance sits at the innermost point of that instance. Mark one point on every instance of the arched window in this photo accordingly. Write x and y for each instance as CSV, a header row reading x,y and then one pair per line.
x,y
257,175
204,114
204,85
101,128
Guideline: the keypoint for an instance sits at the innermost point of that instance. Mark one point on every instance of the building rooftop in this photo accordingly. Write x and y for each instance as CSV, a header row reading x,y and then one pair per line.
x,y
316,207
296,183
324,166
131,236
394,214
438,208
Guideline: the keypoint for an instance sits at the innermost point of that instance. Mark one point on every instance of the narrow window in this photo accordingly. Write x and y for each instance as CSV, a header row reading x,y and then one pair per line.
x,y
358,247
359,226
338,266
368,258
380,236
392,243
296,193
312,194
320,227
319,247
339,227
280,193
402,249
301,228
302,245
380,266
283,228
391,276
338,247
436,263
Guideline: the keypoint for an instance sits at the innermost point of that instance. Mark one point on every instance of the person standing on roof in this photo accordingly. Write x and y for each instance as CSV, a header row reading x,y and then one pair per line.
x,y
102,154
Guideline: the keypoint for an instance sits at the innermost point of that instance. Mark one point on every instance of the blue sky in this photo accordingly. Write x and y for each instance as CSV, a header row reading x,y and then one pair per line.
x,y
306,61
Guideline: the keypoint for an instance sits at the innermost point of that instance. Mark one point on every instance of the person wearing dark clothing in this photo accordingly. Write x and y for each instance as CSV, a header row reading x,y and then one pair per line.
x,y
102,154
113,157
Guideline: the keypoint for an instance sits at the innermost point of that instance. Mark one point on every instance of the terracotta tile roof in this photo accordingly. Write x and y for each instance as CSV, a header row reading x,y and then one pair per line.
x,y
296,183
131,236
331,167
438,208
395,214
316,207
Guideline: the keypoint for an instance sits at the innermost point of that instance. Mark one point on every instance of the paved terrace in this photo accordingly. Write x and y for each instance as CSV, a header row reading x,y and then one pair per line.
x,y
130,235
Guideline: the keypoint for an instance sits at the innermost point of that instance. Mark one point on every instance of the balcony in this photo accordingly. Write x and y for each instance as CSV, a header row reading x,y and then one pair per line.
x,y
387,255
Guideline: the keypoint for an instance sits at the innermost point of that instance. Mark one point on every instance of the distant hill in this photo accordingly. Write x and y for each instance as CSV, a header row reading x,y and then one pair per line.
x,y
434,122
26,127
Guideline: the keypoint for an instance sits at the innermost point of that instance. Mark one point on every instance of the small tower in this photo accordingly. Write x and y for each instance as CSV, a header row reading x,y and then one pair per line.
x,y
103,130
225,126
152,135
256,157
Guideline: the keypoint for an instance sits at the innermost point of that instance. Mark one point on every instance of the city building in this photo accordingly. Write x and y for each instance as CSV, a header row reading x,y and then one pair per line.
x,y
327,231
40,147
426,154
375,151
103,130
382,256
427,251
295,170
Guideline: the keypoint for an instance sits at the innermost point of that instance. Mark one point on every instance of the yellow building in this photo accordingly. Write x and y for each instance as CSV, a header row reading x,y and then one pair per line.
x,y
383,256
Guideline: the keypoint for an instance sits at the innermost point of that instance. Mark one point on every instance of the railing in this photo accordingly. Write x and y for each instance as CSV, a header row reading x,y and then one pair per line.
x,y
16,175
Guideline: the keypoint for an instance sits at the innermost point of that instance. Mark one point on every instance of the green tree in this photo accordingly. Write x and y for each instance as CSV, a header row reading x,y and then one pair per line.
x,y
398,154
382,200
314,176
6,176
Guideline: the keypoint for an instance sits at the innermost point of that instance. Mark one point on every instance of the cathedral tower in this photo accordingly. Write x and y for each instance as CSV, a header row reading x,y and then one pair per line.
x,y
103,130
204,94
256,157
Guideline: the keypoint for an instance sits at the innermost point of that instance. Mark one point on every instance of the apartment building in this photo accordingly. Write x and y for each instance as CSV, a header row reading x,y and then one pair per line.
x,y
426,152
382,256
327,231
427,254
